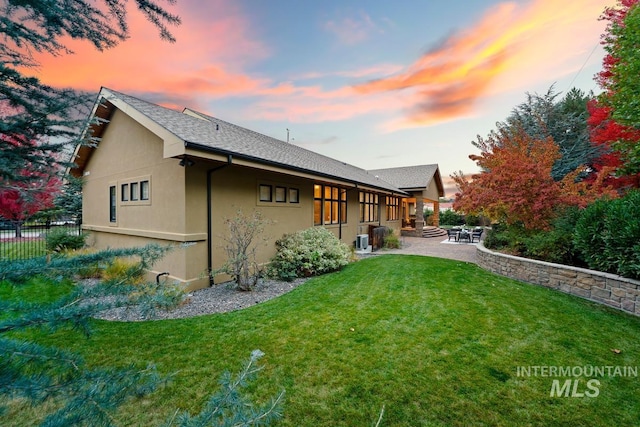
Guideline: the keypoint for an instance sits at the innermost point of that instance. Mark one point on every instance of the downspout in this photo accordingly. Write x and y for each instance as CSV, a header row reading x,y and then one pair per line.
x,y
209,213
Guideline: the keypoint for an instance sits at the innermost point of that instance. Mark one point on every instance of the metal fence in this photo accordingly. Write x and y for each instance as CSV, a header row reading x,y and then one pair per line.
x,y
29,241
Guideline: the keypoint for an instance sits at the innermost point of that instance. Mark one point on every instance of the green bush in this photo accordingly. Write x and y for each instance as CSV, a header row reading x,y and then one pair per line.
x,y
309,252
60,240
449,217
608,235
509,239
556,245
472,220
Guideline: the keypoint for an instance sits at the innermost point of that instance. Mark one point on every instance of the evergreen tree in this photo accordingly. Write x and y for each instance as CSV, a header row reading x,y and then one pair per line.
x,y
564,120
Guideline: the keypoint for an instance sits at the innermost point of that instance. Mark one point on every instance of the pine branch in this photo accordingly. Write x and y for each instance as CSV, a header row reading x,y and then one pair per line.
x,y
228,407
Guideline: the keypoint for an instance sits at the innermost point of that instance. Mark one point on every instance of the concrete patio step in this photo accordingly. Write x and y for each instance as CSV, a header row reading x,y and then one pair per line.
x,y
433,232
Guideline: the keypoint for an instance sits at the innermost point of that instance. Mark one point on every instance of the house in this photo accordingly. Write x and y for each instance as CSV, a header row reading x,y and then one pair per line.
x,y
423,184
164,176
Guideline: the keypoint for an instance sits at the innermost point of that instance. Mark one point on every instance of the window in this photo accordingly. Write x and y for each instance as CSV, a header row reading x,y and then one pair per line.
x,y
329,205
294,195
281,194
112,203
317,204
144,190
368,207
265,193
134,191
393,208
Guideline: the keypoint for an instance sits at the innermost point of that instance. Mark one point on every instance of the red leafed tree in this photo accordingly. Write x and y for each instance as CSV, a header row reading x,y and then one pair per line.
x,y
19,200
613,137
615,17
516,185
31,190
604,131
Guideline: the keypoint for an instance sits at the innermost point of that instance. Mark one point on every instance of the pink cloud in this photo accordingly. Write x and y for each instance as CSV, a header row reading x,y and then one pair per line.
x,y
214,44
519,44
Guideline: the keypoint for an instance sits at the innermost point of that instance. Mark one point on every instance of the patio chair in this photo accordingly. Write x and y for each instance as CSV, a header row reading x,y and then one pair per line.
x,y
452,233
476,234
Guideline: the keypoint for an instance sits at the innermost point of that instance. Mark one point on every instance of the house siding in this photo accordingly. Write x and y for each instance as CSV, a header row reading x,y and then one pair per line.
x,y
127,153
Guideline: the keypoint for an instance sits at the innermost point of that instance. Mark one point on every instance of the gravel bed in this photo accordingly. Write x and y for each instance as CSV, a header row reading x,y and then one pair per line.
x,y
220,298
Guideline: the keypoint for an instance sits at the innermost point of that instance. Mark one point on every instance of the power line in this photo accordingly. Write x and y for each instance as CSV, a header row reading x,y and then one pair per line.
x,y
582,67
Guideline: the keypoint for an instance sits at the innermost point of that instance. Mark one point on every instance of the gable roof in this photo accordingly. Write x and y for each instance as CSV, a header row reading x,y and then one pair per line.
x,y
411,177
205,133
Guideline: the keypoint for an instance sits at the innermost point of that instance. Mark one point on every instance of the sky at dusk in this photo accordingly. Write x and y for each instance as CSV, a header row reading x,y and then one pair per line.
x,y
374,84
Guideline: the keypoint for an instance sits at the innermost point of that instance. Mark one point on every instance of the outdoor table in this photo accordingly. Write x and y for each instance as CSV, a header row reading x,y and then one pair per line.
x,y
464,234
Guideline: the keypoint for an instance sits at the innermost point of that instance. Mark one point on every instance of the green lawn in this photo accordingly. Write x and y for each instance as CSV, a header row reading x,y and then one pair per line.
x,y
436,342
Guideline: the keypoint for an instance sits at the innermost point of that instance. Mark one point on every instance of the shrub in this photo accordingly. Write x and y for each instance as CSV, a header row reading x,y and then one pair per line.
x,y
391,241
449,217
124,270
87,270
60,239
608,235
245,232
509,239
557,245
309,252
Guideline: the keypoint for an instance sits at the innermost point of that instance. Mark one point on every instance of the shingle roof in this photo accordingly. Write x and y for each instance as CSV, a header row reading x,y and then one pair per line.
x,y
407,176
213,134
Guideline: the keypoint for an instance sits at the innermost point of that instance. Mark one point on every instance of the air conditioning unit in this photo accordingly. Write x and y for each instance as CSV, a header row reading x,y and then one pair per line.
x,y
362,242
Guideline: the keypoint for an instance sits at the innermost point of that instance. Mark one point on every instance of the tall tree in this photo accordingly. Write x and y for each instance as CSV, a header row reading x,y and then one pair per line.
x,y
564,120
619,78
516,184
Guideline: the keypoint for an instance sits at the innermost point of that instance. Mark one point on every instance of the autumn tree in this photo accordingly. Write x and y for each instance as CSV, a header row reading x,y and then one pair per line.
x,y
26,198
516,185
619,80
604,132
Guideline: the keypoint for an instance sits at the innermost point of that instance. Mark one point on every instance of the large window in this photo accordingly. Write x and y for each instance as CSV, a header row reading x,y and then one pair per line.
x,y
393,208
368,207
329,205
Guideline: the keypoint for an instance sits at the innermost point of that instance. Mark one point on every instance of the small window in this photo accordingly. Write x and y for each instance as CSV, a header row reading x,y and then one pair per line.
x,y
265,193
144,190
134,191
281,194
294,195
124,192
112,203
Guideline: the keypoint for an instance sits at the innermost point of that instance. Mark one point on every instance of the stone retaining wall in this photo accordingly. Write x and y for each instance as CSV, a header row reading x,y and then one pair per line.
x,y
608,289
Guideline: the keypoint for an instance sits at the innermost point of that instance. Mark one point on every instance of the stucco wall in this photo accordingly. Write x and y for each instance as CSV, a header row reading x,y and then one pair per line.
x,y
176,211
129,153
608,289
